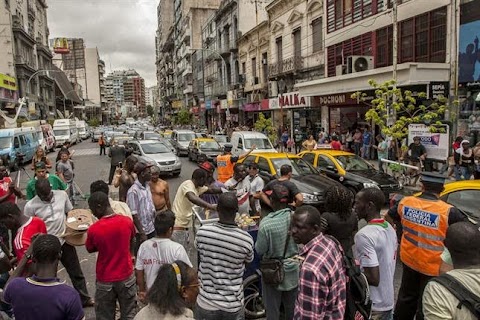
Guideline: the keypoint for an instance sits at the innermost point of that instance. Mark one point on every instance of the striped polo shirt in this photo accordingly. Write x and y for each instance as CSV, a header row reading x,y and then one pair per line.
x,y
223,251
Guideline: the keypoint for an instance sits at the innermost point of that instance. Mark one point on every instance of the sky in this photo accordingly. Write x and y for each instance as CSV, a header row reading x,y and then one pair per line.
x,y
122,30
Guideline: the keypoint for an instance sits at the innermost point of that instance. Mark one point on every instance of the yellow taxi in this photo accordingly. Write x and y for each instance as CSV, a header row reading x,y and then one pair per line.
x,y
309,182
351,170
465,196
204,149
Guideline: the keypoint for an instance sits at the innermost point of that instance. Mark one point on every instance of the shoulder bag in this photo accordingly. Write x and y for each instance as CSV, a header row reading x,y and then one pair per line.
x,y
272,269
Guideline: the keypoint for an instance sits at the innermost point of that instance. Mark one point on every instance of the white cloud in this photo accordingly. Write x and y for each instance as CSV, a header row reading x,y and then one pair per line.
x,y
122,30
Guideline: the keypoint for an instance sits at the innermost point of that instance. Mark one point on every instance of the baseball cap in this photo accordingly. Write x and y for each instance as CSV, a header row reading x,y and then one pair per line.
x,y
431,177
140,166
40,165
280,193
207,166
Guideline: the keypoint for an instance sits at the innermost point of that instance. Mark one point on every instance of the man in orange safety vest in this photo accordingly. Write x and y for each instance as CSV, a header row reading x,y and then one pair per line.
x,y
226,161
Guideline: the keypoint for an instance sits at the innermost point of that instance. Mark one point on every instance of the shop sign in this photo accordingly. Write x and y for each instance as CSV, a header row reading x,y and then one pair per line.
x,y
265,104
437,89
8,82
251,107
436,143
273,104
293,100
339,99
223,104
60,46
177,104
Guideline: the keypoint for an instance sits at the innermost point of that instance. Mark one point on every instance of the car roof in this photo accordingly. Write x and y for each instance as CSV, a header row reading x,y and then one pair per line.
x,y
204,139
148,141
330,152
461,185
248,134
183,131
276,155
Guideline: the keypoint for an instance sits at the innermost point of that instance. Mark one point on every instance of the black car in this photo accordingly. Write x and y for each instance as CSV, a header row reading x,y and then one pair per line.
x,y
204,149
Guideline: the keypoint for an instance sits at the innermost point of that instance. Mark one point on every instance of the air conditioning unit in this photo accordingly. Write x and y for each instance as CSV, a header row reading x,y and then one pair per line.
x,y
272,89
359,63
340,69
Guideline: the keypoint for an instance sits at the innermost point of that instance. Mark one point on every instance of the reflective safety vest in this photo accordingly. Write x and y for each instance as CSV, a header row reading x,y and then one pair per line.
x,y
224,167
425,224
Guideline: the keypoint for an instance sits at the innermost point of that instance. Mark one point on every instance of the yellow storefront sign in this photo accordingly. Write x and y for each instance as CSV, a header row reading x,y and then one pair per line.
x,y
8,82
177,104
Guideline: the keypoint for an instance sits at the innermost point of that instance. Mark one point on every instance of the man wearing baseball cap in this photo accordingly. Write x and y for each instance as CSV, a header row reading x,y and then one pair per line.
x,y
226,161
140,202
41,173
273,241
211,198
415,154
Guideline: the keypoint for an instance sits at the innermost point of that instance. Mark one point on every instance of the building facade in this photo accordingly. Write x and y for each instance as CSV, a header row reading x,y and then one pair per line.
x,y
125,87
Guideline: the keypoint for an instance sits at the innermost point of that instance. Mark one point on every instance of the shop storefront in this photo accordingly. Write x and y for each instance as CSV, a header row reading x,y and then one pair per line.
x,y
8,90
253,110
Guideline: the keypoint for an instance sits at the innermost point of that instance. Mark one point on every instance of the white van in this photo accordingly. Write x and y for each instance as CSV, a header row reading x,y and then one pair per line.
x,y
65,129
44,131
82,129
242,141
18,141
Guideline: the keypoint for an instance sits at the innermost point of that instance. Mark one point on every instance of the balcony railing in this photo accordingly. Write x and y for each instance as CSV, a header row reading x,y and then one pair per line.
x,y
290,65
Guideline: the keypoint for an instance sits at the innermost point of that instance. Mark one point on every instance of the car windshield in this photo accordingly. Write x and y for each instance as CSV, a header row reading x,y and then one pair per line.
x,y
221,138
466,201
5,142
261,143
151,136
353,163
152,148
61,132
299,167
209,145
186,136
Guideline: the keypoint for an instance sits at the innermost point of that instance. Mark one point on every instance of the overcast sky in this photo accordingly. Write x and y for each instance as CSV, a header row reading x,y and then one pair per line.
x,y
122,30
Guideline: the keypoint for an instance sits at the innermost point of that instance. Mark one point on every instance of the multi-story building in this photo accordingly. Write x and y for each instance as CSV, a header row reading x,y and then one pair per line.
x,y
23,53
296,55
150,96
359,43
125,87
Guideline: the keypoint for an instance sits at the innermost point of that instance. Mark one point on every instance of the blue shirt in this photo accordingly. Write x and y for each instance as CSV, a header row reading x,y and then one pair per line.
x,y
367,136
33,298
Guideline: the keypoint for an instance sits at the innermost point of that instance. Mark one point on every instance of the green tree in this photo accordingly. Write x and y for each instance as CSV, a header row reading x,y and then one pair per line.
x,y
265,125
183,117
93,122
150,110
394,109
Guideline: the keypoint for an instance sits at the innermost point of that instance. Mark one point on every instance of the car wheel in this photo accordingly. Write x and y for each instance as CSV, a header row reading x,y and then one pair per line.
x,y
253,301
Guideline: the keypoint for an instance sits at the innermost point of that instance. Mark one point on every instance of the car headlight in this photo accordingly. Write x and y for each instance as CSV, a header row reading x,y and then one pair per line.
x,y
310,198
370,185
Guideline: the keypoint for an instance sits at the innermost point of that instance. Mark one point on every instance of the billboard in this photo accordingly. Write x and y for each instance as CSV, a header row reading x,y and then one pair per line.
x,y
60,46
436,143
469,48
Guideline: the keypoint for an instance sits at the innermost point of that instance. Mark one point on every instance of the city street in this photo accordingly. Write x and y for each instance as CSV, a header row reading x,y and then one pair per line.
x,y
90,166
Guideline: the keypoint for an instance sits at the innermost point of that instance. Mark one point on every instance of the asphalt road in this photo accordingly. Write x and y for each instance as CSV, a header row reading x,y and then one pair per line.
x,y
89,167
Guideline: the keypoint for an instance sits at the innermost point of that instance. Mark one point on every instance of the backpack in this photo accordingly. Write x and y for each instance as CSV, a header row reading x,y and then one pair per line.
x,y
465,297
359,304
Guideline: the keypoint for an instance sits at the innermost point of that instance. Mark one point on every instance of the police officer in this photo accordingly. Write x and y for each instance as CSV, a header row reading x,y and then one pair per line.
x,y
424,220
226,161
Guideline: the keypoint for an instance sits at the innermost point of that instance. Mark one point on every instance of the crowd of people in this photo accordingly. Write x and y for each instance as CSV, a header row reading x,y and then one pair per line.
x,y
151,265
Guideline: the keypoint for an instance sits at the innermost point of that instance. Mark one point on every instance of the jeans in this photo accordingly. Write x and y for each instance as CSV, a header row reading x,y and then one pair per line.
x,y
366,151
274,299
382,315
409,301
380,165
112,172
463,173
202,314
357,146
108,293
70,261
102,149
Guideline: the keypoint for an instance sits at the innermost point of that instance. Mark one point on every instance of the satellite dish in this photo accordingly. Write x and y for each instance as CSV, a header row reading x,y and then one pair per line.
x,y
361,64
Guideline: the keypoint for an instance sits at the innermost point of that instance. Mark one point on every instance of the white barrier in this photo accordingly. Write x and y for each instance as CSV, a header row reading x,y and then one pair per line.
x,y
399,163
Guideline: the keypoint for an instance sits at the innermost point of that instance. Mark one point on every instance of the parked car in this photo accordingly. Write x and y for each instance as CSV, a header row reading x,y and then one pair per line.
x,y
201,135
168,143
96,135
156,151
309,182
242,141
181,139
18,145
351,170
148,135
204,149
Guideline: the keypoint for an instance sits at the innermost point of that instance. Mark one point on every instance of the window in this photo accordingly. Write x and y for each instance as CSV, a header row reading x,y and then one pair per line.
x,y
358,46
279,45
249,159
341,13
263,165
309,157
265,66
406,40
244,67
384,55
317,36
465,200
254,68
324,162
297,43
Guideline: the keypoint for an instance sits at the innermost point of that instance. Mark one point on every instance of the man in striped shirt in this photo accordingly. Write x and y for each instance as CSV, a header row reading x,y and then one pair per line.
x,y
322,284
223,250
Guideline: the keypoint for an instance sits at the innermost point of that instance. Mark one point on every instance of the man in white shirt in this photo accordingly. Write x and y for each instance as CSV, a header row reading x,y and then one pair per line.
x,y
158,251
376,249
256,186
52,206
241,185
463,242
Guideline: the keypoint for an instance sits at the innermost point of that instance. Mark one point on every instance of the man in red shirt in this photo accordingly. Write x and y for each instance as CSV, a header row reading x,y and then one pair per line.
x,y
8,190
335,144
111,236
24,227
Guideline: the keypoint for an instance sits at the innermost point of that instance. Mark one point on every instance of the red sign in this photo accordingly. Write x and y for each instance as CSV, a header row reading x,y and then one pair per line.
x,y
291,100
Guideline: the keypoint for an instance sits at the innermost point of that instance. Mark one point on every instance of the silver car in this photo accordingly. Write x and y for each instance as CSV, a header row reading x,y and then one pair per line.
x,y
158,152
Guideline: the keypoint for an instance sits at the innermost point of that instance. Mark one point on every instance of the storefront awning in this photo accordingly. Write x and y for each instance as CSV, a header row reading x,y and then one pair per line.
x,y
407,74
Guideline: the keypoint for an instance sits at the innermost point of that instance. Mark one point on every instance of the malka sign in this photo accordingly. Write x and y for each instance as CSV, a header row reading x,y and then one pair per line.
x,y
293,100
